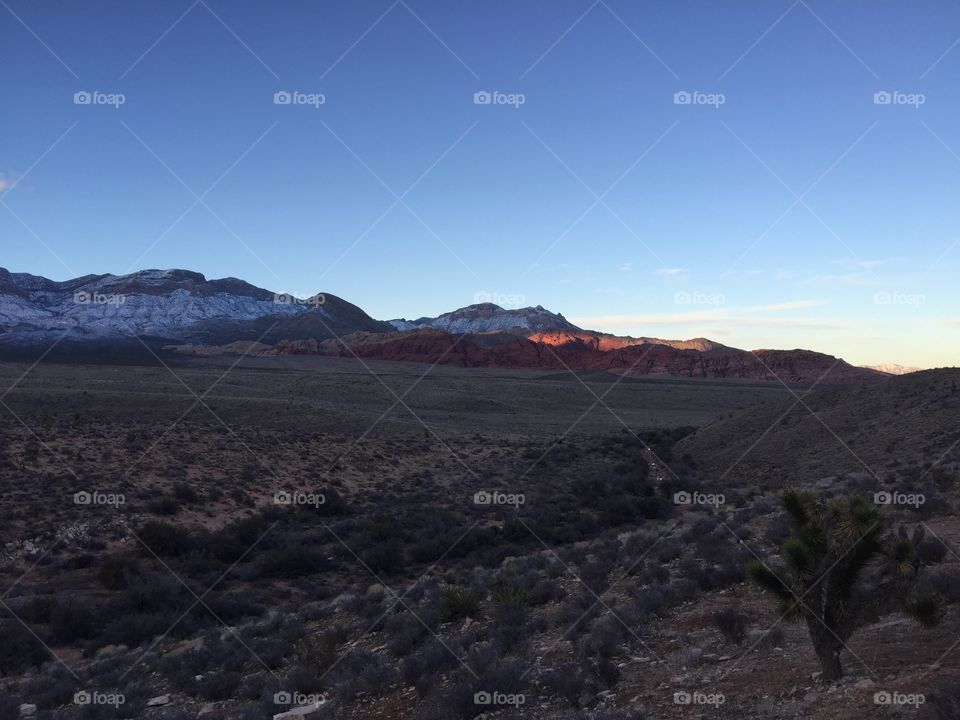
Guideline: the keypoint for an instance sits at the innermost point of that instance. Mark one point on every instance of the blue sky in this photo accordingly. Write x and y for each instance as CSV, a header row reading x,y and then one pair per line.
x,y
782,207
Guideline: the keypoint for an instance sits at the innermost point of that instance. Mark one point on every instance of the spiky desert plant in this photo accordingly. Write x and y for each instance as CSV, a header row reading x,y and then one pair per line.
x,y
842,569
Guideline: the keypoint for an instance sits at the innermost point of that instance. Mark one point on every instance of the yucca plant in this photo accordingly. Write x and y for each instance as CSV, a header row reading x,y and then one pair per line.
x,y
842,569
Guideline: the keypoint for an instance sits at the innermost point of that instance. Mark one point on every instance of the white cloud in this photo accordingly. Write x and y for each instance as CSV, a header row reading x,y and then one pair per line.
x,y
790,305
670,272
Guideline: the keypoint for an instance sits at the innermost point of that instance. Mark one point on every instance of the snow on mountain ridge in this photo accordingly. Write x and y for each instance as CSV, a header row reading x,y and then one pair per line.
x,y
160,302
487,317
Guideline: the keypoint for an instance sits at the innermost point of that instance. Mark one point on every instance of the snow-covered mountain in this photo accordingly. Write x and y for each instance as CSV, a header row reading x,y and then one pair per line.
x,y
165,303
894,368
487,317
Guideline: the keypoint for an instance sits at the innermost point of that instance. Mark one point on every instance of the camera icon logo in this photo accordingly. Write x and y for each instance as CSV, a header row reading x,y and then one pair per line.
x,y
482,498
82,698
682,97
882,698
282,97
82,498
282,698
282,497
882,98
482,698
82,97
682,498
883,498
482,97
682,697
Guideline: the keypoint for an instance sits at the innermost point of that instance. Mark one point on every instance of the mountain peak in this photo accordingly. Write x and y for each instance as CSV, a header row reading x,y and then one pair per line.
x,y
488,317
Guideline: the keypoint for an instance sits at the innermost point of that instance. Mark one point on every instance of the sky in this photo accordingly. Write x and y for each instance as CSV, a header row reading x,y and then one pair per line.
x,y
768,174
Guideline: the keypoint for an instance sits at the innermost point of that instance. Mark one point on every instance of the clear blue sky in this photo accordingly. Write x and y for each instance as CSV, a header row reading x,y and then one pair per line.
x,y
703,234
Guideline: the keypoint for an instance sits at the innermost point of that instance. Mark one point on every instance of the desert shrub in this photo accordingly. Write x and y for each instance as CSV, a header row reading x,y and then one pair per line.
x,y
290,561
567,681
436,655
384,557
510,629
185,492
116,571
930,551
20,649
490,673
510,592
218,685
457,602
361,671
164,506
319,652
943,702
404,631
603,637
134,628
9,707
148,592
164,539
732,624
72,619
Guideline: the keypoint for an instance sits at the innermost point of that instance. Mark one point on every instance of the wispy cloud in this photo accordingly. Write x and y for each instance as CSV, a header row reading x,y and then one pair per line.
x,y
717,319
856,279
669,272
790,305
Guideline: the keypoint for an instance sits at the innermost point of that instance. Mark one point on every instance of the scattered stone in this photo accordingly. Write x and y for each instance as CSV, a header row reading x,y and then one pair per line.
x,y
811,696
28,710
864,684
303,711
816,676
159,701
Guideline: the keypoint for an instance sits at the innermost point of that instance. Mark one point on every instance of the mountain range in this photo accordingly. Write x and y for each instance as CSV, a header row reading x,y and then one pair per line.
x,y
181,311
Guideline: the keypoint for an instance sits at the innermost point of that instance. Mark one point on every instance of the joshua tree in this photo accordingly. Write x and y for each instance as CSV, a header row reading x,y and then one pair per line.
x,y
843,569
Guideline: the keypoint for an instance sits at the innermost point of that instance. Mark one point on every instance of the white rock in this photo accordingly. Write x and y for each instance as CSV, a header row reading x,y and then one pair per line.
x,y
159,700
302,711
28,710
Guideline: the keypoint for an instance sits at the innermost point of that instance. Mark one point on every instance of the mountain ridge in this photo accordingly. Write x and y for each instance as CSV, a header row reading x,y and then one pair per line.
x,y
197,316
